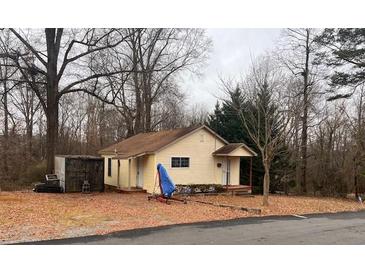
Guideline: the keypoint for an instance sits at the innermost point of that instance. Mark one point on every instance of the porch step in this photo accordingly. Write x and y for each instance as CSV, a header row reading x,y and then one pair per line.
x,y
238,190
130,190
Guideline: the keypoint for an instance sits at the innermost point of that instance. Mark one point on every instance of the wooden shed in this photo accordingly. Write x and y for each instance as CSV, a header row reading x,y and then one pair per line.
x,y
73,170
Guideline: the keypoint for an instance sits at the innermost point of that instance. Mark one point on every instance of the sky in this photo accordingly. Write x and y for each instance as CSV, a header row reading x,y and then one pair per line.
x,y
231,56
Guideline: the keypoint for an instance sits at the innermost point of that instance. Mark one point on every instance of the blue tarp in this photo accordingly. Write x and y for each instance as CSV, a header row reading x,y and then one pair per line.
x,y
168,187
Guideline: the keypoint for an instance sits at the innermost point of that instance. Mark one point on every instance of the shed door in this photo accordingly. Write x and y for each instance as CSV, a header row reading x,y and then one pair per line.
x,y
139,179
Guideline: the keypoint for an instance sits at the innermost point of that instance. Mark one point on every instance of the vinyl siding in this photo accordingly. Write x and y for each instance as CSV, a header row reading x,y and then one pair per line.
x,y
123,172
110,180
199,147
203,168
235,170
241,152
149,173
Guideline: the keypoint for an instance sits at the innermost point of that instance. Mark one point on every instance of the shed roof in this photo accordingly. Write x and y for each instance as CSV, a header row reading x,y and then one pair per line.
x,y
147,143
82,157
229,148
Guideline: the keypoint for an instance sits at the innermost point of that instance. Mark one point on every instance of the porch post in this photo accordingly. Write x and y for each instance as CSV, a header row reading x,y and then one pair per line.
x,y
129,173
118,174
227,171
251,173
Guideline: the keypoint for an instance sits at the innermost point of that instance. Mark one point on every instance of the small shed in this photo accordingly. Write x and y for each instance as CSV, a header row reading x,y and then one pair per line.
x,y
73,170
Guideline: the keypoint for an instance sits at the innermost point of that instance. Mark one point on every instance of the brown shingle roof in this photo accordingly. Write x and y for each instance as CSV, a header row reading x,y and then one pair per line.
x,y
227,148
231,147
145,143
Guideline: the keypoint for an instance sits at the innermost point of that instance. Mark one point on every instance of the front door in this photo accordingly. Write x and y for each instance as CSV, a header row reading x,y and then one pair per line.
x,y
226,169
139,179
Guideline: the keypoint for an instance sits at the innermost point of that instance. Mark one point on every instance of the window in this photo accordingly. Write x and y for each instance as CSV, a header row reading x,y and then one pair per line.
x,y
109,167
180,161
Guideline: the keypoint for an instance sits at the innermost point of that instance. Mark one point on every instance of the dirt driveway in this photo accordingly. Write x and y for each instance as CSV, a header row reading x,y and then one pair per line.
x,y
27,216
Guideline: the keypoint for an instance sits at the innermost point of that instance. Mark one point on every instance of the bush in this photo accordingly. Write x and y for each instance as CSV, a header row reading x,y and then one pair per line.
x,y
199,188
34,173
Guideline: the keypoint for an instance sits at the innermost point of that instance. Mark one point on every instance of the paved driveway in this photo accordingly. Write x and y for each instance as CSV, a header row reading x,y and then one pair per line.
x,y
338,228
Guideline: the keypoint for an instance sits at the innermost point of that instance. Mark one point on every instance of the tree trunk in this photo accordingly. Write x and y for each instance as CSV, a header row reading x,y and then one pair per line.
x,y
148,110
52,98
136,82
304,137
101,124
6,131
52,132
138,117
29,134
304,144
266,188
297,152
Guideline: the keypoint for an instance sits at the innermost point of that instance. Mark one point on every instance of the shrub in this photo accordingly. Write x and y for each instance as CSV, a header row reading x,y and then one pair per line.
x,y
199,188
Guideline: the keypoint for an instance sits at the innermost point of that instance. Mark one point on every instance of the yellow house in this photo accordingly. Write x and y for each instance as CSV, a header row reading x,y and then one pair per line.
x,y
194,155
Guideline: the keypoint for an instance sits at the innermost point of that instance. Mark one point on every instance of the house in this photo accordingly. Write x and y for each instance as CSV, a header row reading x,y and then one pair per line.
x,y
194,155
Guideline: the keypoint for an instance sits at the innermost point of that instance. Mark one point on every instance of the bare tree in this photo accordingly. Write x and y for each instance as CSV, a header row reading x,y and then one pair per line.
x,y
297,53
265,116
51,80
27,104
6,86
157,58
196,114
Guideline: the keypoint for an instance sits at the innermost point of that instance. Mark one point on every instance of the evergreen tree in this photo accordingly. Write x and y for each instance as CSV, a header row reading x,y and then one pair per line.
x,y
226,122
214,120
344,50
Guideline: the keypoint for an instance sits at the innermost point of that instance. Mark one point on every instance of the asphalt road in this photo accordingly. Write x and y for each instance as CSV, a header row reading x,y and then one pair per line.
x,y
339,228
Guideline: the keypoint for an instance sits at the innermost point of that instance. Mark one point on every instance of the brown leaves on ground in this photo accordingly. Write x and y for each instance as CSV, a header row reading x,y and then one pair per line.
x,y
288,205
27,216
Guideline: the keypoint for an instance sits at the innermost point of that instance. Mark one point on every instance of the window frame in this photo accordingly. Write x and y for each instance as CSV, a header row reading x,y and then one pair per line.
x,y
180,157
109,166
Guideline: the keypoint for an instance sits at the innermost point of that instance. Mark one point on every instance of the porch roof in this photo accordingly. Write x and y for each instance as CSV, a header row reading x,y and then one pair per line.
x,y
130,155
235,149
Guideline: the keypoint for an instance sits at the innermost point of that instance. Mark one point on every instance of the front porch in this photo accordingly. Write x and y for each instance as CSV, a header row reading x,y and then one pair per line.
x,y
134,173
238,189
232,154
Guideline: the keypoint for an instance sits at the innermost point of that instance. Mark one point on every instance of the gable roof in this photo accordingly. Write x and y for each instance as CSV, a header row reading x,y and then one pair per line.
x,y
227,149
147,143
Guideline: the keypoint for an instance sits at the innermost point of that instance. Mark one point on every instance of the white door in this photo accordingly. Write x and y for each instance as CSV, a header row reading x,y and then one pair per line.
x,y
226,172
139,179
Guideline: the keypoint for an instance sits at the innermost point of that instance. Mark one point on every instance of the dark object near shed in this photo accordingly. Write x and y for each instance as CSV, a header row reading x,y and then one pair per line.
x,y
43,187
74,170
50,185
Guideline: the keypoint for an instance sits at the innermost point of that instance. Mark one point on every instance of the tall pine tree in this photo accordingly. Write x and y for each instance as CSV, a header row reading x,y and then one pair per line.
x,y
344,52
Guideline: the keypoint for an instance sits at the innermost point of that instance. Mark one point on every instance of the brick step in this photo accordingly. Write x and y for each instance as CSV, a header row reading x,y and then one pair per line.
x,y
238,189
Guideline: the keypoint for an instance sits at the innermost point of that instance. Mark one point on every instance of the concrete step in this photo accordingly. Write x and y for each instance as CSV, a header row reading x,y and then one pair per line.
x,y
131,190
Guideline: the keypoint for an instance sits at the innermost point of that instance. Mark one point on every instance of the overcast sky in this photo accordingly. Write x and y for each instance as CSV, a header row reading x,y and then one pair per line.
x,y
230,57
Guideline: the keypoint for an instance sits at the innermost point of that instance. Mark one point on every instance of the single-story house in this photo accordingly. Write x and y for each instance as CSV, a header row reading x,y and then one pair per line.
x,y
193,155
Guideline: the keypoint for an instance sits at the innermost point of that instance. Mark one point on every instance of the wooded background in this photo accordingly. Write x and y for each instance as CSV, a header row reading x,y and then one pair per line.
x,y
74,91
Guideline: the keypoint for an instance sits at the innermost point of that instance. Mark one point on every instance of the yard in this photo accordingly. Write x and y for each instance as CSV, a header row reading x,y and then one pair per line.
x,y
28,216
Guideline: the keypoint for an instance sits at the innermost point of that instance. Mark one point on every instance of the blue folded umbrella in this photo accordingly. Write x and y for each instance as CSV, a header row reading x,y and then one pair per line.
x,y
167,186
